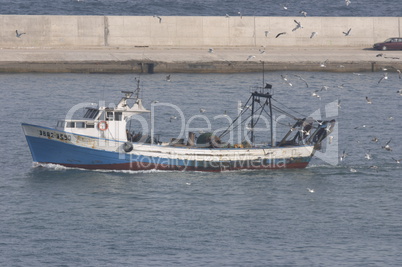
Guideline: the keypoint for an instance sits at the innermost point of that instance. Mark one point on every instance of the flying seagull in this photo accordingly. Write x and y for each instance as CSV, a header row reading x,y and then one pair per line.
x,y
368,100
385,77
387,146
301,78
313,34
266,33
168,78
348,32
160,19
285,79
279,34
298,25
304,13
310,190
17,34
250,57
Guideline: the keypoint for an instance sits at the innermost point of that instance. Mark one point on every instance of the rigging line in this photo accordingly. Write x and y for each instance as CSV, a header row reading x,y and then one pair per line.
x,y
238,116
284,112
259,116
290,108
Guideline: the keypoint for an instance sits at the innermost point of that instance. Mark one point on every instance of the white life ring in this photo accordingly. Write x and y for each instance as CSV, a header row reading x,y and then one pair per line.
x,y
102,125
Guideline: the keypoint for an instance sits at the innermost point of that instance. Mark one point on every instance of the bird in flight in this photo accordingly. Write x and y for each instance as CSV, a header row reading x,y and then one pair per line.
x,y
279,34
368,100
384,77
387,146
310,190
160,19
348,32
298,26
18,34
313,34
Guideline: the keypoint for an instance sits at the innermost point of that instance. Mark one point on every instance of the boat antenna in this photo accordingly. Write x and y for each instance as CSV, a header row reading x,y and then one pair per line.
x,y
263,73
137,91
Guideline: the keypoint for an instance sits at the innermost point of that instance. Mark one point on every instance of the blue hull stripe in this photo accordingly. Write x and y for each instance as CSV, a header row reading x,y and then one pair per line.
x,y
51,151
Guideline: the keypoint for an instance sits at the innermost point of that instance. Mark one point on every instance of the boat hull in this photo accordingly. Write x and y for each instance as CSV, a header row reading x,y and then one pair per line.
x,y
49,145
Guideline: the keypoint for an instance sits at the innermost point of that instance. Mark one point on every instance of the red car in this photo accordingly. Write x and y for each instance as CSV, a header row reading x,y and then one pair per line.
x,y
394,43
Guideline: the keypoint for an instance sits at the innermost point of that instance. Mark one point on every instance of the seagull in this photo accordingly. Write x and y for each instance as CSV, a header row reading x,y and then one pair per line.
x,y
348,32
315,93
313,34
375,139
266,33
160,19
262,51
211,50
172,118
343,156
324,88
323,64
19,34
379,55
301,78
352,170
399,91
241,16
284,7
368,100
298,25
399,74
227,15
397,160
347,2
279,34
331,138
304,13
285,78
202,110
387,146
310,190
168,78
384,77
368,155
250,57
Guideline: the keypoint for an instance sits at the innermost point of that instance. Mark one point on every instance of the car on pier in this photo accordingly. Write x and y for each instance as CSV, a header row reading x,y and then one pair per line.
x,y
394,43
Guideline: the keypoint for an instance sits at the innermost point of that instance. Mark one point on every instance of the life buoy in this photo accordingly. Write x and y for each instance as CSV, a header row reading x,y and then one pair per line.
x,y
102,125
128,147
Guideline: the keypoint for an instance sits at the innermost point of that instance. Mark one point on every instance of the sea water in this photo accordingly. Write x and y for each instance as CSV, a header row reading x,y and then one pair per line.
x,y
54,216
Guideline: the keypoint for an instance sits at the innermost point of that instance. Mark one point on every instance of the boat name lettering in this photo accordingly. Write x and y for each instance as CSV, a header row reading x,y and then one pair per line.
x,y
59,136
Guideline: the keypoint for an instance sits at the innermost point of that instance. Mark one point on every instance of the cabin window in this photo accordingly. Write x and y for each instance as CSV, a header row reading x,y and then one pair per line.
x,y
91,113
70,124
109,116
90,125
80,124
117,116
60,124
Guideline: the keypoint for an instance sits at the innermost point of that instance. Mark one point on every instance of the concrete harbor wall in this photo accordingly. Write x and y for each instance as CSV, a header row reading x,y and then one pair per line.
x,y
181,31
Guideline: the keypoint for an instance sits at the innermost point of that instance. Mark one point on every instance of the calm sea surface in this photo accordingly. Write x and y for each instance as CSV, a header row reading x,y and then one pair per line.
x,y
327,8
66,217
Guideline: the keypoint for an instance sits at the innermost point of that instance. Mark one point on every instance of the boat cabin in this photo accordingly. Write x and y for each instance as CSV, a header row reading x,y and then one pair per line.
x,y
105,122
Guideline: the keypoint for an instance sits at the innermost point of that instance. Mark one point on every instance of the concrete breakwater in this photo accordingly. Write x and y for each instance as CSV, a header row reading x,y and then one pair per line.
x,y
181,44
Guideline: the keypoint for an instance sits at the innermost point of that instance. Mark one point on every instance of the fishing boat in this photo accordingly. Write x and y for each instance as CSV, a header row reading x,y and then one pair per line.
x,y
100,140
